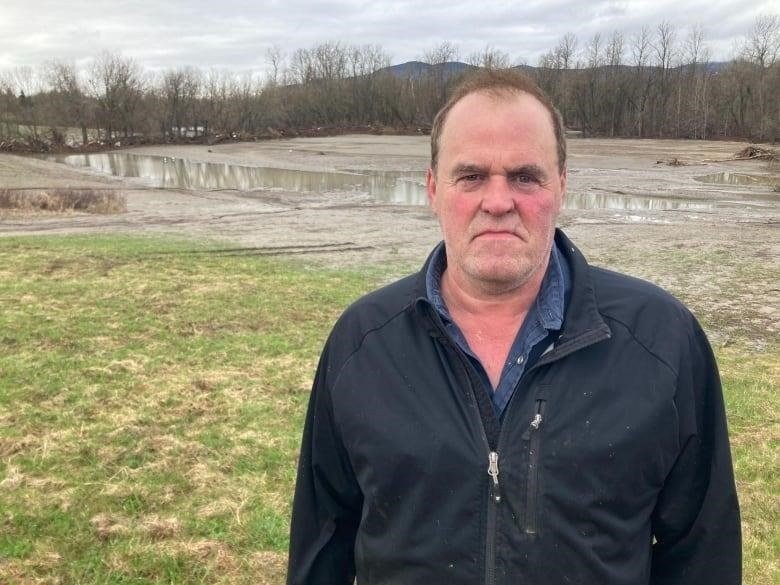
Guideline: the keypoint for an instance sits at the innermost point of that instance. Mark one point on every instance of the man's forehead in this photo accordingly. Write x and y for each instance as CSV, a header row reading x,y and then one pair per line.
x,y
480,118
517,107
499,97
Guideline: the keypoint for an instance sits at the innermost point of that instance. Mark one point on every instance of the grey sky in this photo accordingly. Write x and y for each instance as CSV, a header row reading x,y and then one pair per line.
x,y
236,35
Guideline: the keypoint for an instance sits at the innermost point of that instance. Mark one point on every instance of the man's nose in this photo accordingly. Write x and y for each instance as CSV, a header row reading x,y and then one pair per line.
x,y
497,196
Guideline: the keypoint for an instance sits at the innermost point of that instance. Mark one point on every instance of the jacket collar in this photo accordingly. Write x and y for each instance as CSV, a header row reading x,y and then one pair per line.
x,y
582,322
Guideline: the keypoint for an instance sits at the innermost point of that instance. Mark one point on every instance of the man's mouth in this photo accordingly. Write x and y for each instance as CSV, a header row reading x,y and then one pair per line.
x,y
496,234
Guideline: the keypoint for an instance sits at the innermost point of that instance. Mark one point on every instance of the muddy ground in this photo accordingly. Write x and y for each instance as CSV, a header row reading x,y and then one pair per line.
x,y
722,260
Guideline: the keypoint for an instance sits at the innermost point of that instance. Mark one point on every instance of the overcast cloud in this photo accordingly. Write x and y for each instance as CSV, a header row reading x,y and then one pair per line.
x,y
236,35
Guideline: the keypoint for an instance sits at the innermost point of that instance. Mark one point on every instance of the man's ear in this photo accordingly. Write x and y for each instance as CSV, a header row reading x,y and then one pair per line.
x,y
430,187
564,182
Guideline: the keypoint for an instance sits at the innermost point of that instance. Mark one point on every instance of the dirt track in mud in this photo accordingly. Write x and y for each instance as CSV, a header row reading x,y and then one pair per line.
x,y
722,260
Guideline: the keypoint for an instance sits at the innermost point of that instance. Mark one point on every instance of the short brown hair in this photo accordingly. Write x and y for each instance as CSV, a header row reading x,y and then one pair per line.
x,y
498,83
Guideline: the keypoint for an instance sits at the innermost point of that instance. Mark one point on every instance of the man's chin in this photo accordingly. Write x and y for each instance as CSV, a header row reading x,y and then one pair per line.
x,y
503,273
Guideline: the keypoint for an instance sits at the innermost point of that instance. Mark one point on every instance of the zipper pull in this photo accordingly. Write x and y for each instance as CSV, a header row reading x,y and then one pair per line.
x,y
536,421
493,472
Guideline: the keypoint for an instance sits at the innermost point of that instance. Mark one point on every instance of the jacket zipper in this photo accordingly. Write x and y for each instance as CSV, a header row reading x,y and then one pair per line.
x,y
494,501
494,492
533,436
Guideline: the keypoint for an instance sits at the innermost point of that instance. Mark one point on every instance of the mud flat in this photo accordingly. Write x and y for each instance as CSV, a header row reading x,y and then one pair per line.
x,y
714,245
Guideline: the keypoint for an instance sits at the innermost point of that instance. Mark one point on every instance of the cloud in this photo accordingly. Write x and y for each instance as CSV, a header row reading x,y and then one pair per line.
x,y
236,35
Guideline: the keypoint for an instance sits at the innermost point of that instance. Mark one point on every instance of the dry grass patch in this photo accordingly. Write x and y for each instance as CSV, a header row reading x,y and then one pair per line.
x,y
160,528
269,566
98,201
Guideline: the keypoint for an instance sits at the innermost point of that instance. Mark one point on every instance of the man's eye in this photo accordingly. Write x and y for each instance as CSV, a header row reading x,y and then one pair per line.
x,y
471,180
524,179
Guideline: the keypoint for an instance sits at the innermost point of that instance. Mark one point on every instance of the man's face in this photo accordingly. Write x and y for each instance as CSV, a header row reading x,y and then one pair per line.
x,y
497,190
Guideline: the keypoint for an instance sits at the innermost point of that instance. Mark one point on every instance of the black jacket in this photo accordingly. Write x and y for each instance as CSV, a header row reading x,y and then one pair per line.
x,y
612,459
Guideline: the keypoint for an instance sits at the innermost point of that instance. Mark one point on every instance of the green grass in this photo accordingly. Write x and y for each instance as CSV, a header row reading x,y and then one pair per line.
x,y
151,399
152,394
751,380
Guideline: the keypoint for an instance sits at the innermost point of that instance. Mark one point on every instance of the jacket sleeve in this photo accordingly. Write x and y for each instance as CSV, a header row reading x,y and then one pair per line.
x,y
327,503
696,521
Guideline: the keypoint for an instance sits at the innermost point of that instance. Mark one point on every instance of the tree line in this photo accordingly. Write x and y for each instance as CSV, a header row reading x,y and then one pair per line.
x,y
656,83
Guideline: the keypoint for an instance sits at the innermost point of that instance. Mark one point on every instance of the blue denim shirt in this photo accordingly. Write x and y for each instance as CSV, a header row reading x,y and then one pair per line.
x,y
544,319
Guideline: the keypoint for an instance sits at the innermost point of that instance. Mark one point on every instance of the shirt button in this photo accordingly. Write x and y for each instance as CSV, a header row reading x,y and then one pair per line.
x,y
520,360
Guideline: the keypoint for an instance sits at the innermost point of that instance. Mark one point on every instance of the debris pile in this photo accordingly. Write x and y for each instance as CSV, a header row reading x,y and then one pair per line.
x,y
24,145
754,152
672,162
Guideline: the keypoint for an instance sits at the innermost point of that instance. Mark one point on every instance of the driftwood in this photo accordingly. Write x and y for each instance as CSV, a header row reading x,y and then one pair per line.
x,y
751,152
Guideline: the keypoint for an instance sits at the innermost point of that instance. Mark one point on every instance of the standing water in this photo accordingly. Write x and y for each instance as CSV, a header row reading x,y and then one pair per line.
x,y
393,187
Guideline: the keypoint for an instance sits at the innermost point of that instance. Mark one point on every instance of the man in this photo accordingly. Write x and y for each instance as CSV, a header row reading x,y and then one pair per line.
x,y
510,414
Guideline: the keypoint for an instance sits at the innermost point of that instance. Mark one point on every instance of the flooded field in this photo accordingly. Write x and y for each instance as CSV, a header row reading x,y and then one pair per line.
x,y
706,229
365,187
391,187
329,197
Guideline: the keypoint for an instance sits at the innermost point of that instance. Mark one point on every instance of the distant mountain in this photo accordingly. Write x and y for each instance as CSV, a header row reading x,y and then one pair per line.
x,y
716,66
417,69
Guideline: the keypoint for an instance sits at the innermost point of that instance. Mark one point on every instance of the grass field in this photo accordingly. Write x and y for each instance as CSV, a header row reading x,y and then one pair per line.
x,y
151,400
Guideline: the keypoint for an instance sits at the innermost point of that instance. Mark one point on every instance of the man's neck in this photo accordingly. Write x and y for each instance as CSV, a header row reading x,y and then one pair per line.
x,y
490,319
468,298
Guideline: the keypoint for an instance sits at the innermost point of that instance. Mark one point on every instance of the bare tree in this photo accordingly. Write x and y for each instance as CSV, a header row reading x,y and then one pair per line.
x,y
554,73
69,95
760,49
218,88
365,66
431,92
9,123
615,49
564,51
590,87
665,50
490,58
664,46
693,87
115,82
762,44
444,52
643,78
275,59
25,86
594,51
694,50
616,88
180,94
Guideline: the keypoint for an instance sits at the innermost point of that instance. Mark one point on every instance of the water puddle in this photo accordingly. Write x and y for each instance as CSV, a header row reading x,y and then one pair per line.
x,y
630,203
393,187
741,179
177,173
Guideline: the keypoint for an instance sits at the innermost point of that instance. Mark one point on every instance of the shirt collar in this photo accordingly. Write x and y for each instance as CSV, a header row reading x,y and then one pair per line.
x,y
549,302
